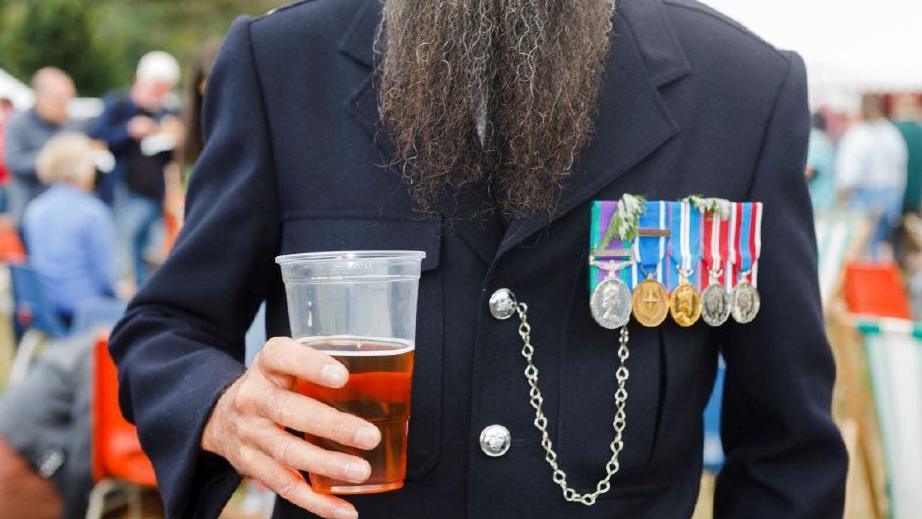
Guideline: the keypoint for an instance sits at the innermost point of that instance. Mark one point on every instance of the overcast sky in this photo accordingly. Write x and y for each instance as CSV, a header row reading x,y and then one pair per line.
x,y
871,44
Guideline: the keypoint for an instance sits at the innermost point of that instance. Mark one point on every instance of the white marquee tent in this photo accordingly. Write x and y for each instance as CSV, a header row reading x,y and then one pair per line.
x,y
850,46
21,95
15,90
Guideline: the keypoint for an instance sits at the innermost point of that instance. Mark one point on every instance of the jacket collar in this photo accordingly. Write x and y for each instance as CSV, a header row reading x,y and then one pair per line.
x,y
632,121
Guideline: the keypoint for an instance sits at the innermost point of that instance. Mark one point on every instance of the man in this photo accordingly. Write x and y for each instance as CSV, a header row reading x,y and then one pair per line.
x,y
140,131
907,115
45,435
29,131
481,132
871,172
821,173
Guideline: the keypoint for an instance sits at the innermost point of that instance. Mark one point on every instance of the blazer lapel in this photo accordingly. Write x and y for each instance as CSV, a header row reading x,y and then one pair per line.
x,y
632,122
466,213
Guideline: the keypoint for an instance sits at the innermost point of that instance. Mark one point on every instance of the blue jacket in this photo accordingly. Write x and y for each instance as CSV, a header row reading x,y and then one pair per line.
x,y
691,103
70,235
141,174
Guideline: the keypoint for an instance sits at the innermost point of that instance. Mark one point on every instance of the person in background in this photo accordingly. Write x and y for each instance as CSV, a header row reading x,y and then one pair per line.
x,y
29,131
871,172
142,133
907,115
177,174
195,99
6,111
821,173
69,232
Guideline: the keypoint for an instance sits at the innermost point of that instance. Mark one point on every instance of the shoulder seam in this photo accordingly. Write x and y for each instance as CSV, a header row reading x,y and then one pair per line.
x,y
281,8
728,22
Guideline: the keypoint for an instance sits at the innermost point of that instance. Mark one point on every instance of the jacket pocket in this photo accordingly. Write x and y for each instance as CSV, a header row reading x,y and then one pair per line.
x,y
588,399
316,233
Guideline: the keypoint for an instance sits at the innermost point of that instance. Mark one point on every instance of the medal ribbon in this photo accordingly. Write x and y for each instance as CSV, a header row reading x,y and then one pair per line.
x,y
684,242
731,273
603,213
744,245
755,242
691,239
715,246
650,250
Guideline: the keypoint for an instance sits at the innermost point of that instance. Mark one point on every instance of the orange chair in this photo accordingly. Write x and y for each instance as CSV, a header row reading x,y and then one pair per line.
x,y
11,247
119,463
877,290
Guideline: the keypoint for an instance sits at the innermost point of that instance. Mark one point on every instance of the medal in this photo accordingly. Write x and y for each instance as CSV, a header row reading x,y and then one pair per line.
x,y
610,302
685,301
746,303
746,300
650,303
685,305
716,305
717,301
650,300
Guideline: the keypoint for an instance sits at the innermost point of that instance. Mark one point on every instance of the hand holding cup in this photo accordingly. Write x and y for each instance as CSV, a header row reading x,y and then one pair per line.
x,y
248,427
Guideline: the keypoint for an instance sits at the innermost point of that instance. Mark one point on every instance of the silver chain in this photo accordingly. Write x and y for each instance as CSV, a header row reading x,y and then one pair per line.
x,y
537,401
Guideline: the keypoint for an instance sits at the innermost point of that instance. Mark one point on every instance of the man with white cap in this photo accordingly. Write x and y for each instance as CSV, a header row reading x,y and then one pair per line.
x,y
140,130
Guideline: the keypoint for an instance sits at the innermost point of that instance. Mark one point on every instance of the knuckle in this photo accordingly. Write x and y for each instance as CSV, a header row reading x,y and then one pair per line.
x,y
287,487
281,407
340,427
281,446
274,345
244,398
245,459
326,463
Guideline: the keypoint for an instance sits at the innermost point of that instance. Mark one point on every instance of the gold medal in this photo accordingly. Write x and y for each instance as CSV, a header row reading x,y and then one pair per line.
x,y
650,303
685,304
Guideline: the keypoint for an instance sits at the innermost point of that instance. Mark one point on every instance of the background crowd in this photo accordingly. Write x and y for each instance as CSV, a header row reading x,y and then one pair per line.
x,y
870,161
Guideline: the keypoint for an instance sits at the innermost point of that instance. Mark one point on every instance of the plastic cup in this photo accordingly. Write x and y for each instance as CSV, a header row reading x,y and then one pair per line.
x,y
360,308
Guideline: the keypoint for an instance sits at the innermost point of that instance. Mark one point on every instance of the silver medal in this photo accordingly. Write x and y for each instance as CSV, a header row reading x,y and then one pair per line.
x,y
746,303
611,303
717,303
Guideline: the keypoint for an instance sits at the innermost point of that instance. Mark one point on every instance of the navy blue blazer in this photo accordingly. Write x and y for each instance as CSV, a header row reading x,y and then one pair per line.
x,y
691,103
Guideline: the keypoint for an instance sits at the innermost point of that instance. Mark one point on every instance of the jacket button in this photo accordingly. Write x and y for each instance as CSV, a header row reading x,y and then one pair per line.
x,y
502,304
495,440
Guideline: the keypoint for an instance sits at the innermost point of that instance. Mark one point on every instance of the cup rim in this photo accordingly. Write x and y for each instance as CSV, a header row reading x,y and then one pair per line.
x,y
363,255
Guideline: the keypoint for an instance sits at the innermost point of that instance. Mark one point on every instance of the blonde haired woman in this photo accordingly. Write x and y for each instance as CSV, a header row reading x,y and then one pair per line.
x,y
70,234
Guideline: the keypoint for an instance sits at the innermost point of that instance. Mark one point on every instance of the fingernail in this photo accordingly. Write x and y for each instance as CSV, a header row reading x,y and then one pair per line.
x,y
334,375
357,471
367,436
345,513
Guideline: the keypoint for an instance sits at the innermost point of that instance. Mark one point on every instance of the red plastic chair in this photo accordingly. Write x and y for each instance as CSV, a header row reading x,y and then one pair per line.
x,y
876,290
11,247
119,463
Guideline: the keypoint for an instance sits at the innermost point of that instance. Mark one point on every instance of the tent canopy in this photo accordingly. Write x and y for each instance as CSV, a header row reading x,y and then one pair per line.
x,y
850,46
15,90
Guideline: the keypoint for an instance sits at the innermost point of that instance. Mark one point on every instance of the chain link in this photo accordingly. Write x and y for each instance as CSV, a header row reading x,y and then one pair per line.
x,y
537,402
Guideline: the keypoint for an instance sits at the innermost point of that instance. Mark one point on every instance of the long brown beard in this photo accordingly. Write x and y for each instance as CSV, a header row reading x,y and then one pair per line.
x,y
529,69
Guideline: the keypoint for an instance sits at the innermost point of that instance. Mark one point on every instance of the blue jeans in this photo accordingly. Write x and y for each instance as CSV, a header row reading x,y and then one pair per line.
x,y
883,202
136,217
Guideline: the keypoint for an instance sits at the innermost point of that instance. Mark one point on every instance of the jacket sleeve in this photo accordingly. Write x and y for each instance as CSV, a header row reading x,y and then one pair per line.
x,y
784,455
181,342
112,127
20,155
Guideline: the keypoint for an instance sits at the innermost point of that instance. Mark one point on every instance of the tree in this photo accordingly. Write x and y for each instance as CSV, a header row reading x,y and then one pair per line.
x,y
99,42
60,33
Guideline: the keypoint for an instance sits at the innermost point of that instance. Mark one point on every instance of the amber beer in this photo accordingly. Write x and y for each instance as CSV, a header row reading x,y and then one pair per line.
x,y
380,375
